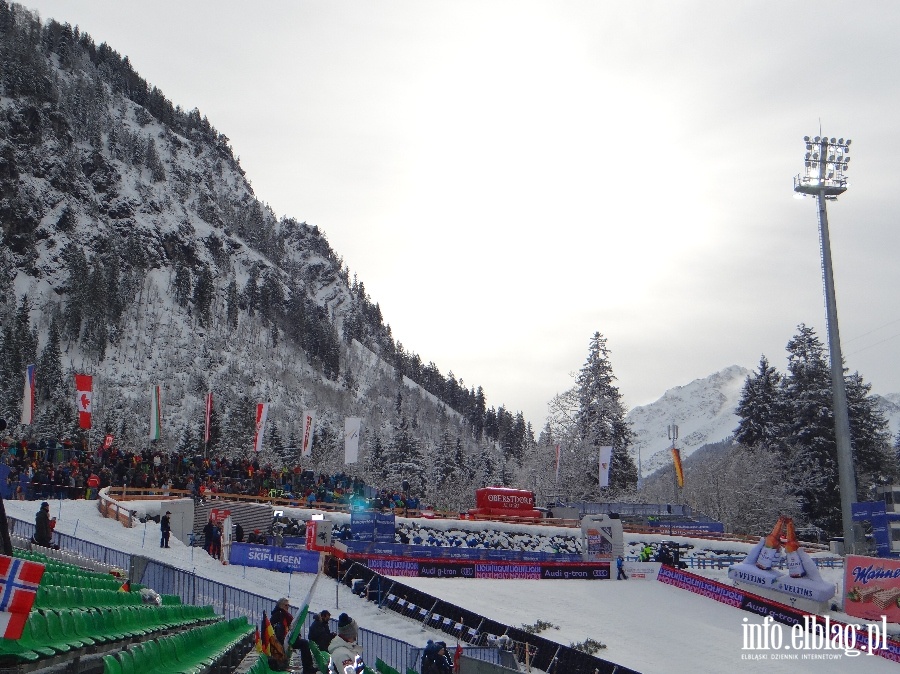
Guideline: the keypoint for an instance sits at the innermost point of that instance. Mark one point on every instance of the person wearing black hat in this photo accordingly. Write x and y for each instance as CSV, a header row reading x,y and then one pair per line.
x,y
165,529
346,653
42,530
319,632
435,659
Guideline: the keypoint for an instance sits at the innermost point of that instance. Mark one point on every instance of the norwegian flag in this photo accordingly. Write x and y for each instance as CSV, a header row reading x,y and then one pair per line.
x,y
19,582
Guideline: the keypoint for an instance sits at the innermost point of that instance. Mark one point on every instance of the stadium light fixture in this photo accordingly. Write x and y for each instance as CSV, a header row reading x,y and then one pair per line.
x,y
824,178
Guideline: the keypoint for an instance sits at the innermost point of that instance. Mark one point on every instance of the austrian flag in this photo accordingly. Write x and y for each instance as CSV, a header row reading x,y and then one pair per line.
x,y
19,582
83,399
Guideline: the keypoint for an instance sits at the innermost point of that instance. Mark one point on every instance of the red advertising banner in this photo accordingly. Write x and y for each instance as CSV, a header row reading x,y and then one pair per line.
x,y
218,514
872,588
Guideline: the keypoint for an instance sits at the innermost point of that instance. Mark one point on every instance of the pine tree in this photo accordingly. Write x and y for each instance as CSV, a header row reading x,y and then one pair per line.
x,y
600,421
873,459
403,459
231,305
204,289
809,431
181,288
760,408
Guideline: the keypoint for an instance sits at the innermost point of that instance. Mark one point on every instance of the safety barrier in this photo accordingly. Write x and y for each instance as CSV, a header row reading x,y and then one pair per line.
x,y
466,626
100,553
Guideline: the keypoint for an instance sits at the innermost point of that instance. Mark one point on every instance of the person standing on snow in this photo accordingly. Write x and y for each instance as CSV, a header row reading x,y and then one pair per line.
x,y
620,567
165,529
43,532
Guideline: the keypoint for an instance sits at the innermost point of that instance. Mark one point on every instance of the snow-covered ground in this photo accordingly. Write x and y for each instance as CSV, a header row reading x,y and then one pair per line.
x,y
647,626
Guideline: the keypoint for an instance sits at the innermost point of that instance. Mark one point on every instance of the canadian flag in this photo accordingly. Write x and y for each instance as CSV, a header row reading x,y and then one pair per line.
x,y
83,399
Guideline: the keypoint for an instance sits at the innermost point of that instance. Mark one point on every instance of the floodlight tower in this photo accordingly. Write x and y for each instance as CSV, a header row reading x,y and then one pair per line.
x,y
825,165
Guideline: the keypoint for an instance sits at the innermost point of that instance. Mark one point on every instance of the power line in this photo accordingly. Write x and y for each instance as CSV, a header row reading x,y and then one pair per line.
x,y
866,334
886,339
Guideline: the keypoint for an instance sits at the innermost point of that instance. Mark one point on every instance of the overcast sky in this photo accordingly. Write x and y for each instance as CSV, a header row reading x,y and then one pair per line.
x,y
507,178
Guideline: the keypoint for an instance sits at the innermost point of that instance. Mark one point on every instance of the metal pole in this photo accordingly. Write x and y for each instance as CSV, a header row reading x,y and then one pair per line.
x,y
846,476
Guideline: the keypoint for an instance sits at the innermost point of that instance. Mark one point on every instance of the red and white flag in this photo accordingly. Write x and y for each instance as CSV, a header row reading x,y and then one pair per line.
x,y
208,415
557,462
28,396
262,411
83,399
309,428
19,582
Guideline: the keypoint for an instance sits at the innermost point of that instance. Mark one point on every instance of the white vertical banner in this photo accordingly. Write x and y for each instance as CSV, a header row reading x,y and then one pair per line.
x,y
309,427
28,396
351,439
155,413
605,458
208,415
262,411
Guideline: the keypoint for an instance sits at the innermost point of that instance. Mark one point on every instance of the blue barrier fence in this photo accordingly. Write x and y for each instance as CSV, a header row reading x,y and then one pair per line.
x,y
228,601
99,553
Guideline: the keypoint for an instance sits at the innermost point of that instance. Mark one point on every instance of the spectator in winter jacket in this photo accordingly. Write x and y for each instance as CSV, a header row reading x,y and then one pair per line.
x,y
43,532
346,653
435,659
319,632
165,529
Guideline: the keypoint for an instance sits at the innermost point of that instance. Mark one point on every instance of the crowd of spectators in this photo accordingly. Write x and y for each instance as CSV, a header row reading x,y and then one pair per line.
x,y
64,470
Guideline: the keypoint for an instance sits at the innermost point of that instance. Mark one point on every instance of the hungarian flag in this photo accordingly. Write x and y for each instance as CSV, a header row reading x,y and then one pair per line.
x,y
83,399
300,621
28,396
19,582
155,413
262,411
